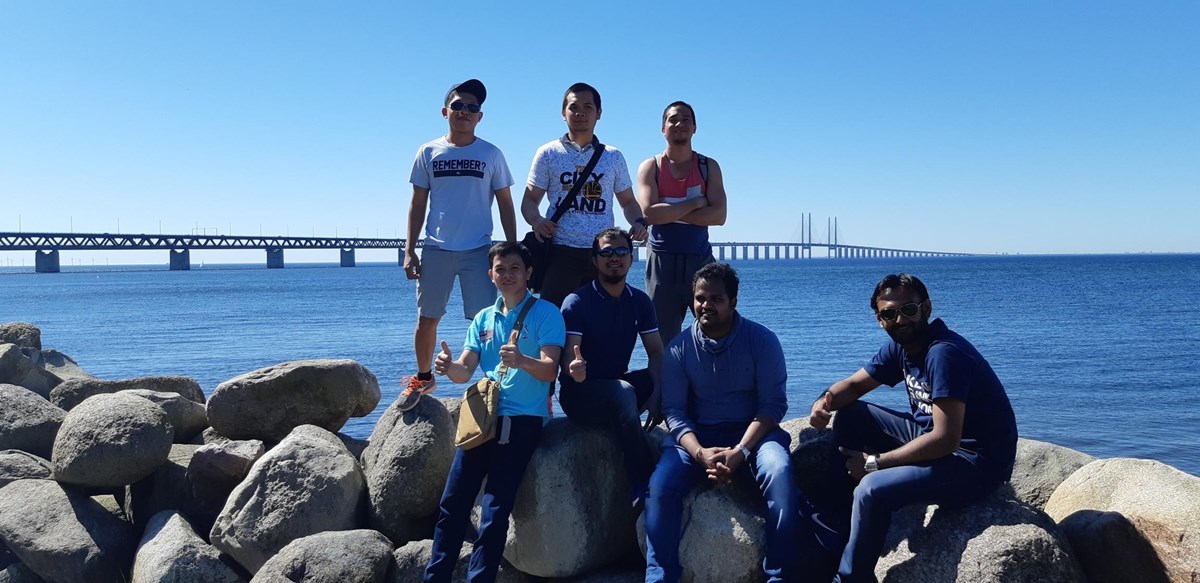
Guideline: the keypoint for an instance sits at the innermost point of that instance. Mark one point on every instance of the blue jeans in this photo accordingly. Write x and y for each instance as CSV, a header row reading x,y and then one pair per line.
x,y
502,461
615,403
677,473
949,480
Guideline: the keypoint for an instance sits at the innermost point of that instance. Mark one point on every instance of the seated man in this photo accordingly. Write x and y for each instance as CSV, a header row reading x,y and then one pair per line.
x,y
723,384
958,443
604,319
493,341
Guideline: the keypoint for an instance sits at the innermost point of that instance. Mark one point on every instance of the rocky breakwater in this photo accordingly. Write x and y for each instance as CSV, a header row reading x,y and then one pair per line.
x,y
102,487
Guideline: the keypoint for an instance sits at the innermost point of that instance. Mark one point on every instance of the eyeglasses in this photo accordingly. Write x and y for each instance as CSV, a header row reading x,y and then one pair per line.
x,y
907,310
460,105
609,252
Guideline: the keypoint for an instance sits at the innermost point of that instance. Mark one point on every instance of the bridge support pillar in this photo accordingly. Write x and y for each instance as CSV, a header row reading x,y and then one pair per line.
x,y
274,258
45,261
348,257
181,259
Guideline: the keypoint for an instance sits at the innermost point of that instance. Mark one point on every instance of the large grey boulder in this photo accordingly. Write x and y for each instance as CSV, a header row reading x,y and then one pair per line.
x,y
16,368
1041,467
20,465
729,517
62,366
812,450
995,540
72,392
1131,520
23,334
348,556
609,576
167,488
572,512
171,552
19,573
111,440
67,538
28,421
186,416
409,562
309,483
405,465
268,403
213,472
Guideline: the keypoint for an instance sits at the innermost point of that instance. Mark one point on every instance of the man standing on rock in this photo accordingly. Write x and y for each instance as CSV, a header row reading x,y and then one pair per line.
x,y
682,194
604,319
493,341
456,176
957,444
556,167
724,383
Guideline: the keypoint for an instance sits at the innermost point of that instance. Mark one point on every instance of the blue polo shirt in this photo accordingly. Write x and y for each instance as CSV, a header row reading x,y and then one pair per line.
x,y
952,367
520,393
608,326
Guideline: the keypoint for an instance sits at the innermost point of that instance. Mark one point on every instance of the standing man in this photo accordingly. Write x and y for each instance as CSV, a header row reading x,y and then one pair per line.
x,y
957,444
724,383
492,340
682,194
456,176
556,167
604,319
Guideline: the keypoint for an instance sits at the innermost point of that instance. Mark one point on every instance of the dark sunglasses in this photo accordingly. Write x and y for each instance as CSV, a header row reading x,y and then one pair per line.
x,y
609,252
460,105
907,310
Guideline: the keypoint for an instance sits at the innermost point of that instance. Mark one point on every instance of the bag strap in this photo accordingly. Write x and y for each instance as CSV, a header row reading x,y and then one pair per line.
x,y
517,326
597,151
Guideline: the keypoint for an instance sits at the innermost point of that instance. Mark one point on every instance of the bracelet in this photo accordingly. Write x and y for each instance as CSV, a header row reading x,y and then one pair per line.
x,y
744,450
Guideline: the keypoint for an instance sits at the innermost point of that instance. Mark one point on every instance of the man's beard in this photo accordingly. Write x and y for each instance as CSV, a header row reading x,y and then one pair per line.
x,y
612,279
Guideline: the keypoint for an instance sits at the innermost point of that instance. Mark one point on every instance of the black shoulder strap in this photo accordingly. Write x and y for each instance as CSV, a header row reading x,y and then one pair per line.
x,y
597,151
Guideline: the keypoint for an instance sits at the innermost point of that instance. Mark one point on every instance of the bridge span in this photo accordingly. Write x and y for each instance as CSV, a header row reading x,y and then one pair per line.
x,y
47,246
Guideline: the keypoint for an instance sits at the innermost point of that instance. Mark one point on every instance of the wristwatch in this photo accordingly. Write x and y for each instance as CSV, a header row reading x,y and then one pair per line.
x,y
744,450
641,221
872,463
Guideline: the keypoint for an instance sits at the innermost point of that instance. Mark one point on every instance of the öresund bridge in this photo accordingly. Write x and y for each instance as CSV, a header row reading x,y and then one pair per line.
x,y
48,246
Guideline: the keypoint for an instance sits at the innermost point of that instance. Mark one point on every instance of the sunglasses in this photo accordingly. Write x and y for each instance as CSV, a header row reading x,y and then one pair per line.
x,y
609,252
461,105
907,310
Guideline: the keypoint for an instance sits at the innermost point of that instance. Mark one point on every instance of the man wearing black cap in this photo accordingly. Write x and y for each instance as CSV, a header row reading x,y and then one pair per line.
x,y
455,177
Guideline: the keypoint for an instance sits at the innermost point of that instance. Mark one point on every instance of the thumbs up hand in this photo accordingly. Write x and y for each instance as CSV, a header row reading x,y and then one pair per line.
x,y
822,411
510,354
577,368
442,362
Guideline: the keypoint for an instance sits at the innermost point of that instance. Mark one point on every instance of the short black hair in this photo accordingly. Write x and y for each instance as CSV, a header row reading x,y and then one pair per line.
x,y
509,248
611,233
679,104
896,281
718,272
580,88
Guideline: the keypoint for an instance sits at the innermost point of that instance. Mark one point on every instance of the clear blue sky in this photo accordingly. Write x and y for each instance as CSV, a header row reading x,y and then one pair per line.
x,y
1020,127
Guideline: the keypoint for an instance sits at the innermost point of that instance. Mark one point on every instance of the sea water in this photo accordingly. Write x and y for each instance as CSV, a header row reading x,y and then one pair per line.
x,y
1098,353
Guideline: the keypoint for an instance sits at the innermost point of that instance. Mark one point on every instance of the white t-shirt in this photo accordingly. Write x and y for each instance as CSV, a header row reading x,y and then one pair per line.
x,y
555,169
462,183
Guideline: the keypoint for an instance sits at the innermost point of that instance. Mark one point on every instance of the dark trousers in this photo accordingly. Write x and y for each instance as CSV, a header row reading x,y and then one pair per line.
x,y
950,480
502,461
615,403
567,269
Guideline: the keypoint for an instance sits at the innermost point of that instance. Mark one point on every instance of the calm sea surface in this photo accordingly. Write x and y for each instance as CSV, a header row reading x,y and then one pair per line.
x,y
1098,353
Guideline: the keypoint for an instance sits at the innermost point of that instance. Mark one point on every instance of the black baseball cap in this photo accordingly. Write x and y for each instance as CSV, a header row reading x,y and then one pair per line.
x,y
473,86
